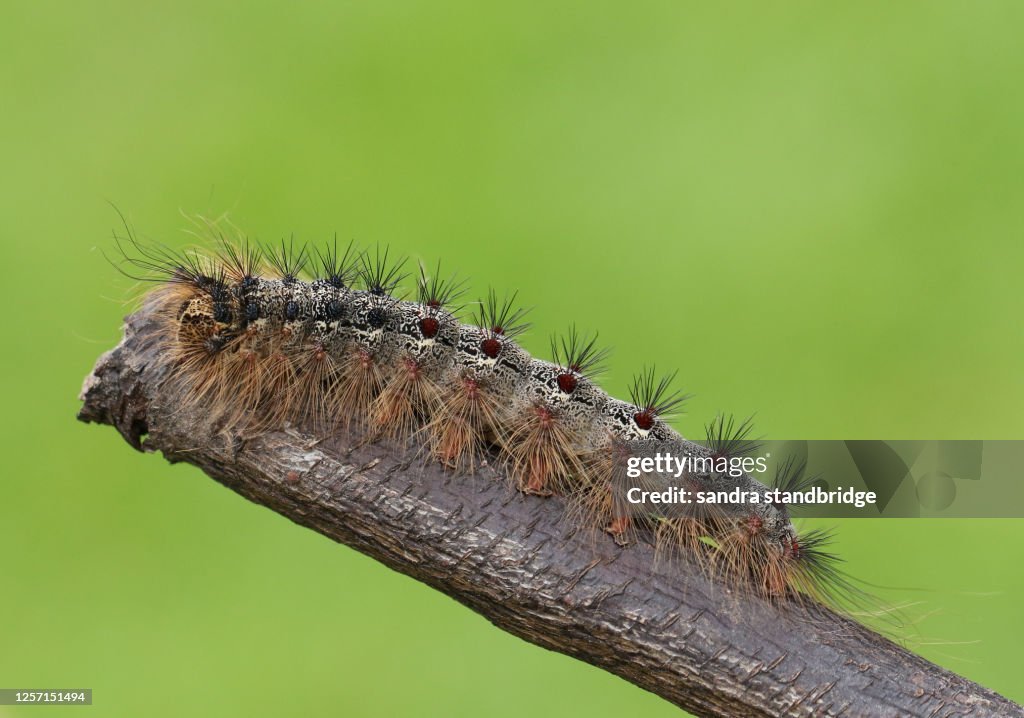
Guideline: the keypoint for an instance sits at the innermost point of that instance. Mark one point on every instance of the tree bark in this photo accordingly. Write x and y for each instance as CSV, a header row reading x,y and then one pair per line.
x,y
515,560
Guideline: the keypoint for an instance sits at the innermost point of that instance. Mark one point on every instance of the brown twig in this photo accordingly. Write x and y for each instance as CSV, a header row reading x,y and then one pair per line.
x,y
515,560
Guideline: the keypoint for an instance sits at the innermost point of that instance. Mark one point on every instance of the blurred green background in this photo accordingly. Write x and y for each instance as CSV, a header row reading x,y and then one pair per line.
x,y
813,211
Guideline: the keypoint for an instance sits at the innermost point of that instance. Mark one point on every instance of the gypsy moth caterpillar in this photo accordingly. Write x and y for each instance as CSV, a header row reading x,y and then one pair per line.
x,y
256,343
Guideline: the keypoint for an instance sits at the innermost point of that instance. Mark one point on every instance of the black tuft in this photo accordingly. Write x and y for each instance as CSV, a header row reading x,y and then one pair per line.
x,y
501,319
727,439
379,276
339,268
579,354
435,292
652,396
157,262
791,476
243,258
287,260
818,574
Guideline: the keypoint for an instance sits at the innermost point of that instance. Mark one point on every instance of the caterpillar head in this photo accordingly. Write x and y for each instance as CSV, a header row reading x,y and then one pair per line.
x,y
206,315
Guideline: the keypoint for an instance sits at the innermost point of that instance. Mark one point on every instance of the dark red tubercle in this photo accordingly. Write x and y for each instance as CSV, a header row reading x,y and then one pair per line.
x,y
429,327
498,330
567,383
491,347
794,547
433,303
754,524
644,419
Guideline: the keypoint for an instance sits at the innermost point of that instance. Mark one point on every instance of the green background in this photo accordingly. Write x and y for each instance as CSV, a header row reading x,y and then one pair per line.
x,y
813,211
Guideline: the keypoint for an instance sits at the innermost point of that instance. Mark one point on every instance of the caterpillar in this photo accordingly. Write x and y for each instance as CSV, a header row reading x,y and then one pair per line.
x,y
259,337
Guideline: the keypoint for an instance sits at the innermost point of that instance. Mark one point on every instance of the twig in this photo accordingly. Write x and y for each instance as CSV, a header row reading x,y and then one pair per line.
x,y
513,559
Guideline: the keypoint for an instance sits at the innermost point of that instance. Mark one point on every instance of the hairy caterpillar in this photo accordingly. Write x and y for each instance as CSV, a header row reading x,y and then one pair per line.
x,y
257,337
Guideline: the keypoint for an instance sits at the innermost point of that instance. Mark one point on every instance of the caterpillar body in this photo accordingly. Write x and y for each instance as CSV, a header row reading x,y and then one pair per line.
x,y
255,343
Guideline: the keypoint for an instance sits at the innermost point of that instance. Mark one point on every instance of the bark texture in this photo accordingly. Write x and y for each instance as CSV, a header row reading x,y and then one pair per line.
x,y
513,559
